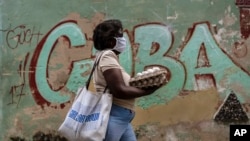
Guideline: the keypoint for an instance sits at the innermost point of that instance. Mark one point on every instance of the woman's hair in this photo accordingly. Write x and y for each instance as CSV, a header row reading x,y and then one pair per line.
x,y
105,32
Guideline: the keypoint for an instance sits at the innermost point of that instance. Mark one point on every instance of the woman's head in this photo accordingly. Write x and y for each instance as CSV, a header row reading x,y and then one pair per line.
x,y
105,33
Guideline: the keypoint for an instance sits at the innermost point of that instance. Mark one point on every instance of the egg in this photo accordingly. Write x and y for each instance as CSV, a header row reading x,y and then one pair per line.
x,y
150,70
156,68
139,74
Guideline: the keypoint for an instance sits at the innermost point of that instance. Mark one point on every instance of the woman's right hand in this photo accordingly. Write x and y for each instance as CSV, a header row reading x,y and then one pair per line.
x,y
152,89
118,88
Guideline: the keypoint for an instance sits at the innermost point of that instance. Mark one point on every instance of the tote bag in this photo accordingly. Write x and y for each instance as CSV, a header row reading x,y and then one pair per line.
x,y
87,119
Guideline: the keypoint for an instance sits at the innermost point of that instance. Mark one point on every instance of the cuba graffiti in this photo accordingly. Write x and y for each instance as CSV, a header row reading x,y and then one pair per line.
x,y
201,65
212,67
42,91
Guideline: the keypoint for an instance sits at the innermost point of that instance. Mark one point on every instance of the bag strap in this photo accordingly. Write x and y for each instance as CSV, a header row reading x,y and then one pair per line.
x,y
92,71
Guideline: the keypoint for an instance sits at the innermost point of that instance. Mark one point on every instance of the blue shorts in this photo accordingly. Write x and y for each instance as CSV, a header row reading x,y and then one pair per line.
x,y
119,126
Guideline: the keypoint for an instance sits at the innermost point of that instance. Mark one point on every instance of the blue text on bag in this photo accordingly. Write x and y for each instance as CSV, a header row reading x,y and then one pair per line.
x,y
83,118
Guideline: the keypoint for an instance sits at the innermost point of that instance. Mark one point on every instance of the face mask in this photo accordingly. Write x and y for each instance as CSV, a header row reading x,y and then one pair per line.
x,y
120,44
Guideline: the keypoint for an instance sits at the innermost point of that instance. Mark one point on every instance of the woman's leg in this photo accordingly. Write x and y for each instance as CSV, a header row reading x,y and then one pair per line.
x,y
119,124
129,134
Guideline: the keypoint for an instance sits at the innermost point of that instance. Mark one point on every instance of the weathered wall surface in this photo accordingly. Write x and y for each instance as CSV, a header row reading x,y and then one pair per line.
x,y
47,53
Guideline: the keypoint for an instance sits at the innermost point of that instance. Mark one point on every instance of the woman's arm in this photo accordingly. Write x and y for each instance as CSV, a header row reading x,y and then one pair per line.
x,y
118,88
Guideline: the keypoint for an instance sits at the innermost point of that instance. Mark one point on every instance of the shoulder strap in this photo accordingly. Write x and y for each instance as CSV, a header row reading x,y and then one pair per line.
x,y
93,69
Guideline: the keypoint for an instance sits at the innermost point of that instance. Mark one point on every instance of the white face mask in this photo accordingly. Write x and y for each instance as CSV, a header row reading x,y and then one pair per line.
x,y
120,45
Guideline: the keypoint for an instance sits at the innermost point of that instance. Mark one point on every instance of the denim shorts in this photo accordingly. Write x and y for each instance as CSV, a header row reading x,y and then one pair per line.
x,y
119,126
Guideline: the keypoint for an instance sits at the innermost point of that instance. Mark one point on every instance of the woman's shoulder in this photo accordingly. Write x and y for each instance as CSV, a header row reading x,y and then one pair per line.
x,y
109,53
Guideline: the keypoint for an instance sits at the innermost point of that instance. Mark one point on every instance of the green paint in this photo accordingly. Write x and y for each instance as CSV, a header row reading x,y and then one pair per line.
x,y
221,65
78,76
126,57
145,36
177,15
74,33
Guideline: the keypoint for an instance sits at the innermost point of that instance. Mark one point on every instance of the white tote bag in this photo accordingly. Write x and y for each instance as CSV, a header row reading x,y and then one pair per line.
x,y
88,117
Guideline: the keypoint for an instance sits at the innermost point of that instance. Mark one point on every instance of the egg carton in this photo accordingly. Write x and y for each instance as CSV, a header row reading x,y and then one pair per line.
x,y
149,78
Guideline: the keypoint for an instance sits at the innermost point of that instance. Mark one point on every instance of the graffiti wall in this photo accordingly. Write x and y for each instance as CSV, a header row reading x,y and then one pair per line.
x,y
47,53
